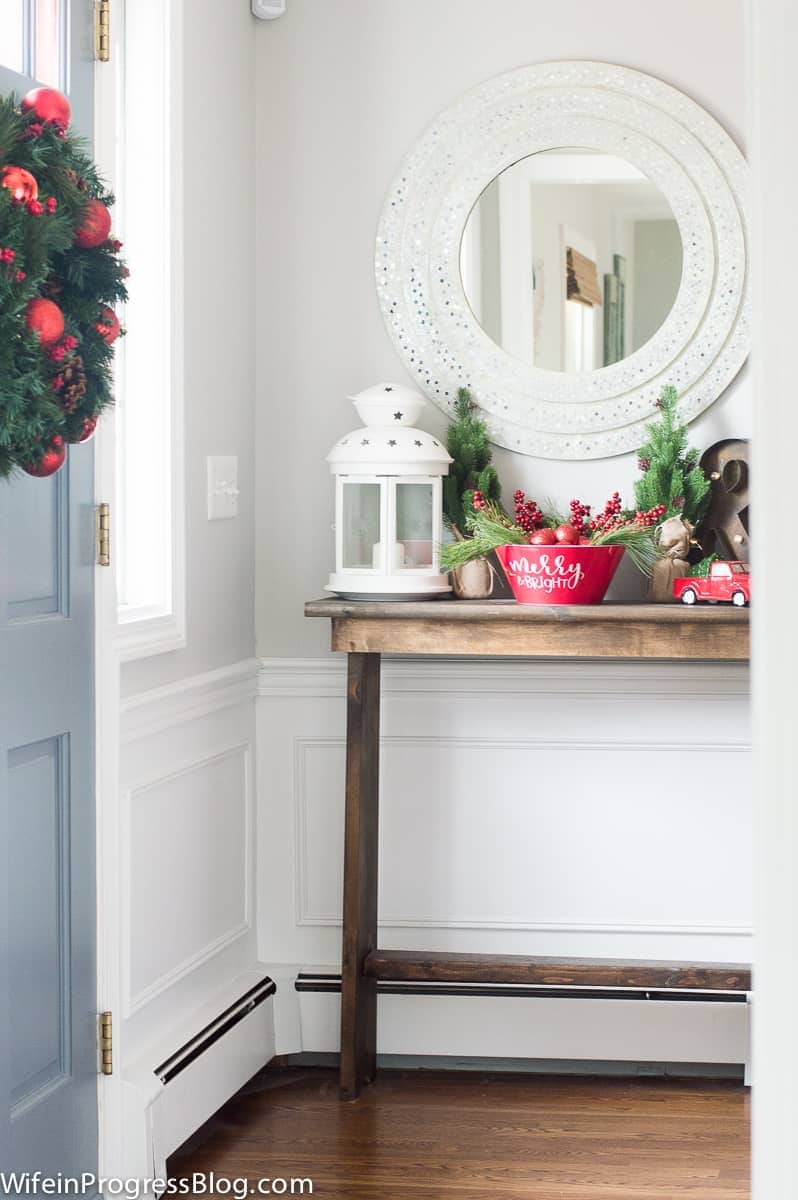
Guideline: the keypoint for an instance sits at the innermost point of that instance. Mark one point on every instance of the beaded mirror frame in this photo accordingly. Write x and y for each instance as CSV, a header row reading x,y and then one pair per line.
x,y
682,149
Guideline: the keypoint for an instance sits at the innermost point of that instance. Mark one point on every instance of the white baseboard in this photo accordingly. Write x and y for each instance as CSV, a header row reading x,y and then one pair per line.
x,y
536,1028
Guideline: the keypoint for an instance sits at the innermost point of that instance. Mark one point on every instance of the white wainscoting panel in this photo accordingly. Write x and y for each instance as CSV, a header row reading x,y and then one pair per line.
x,y
191,826
187,851
589,809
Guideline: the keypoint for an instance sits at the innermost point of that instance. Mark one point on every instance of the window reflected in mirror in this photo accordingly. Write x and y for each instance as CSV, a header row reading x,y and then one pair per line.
x,y
571,259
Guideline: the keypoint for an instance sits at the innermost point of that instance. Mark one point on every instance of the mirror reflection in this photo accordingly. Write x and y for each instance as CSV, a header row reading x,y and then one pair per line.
x,y
571,259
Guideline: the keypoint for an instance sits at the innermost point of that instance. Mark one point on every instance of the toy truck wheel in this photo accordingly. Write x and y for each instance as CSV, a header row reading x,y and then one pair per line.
x,y
738,599
689,596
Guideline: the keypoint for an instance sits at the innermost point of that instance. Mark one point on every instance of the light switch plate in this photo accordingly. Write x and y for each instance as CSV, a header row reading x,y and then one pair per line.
x,y
222,487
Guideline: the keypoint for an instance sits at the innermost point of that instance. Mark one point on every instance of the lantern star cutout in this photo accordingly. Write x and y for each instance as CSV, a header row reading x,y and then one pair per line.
x,y
365,442
392,442
418,443
398,416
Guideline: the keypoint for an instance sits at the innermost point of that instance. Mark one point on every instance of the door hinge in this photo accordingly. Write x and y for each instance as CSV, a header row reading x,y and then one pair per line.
x,y
106,1044
102,30
103,535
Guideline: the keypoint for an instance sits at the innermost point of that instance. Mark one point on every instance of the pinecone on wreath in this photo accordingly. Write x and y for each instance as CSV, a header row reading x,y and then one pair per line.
x,y
76,180
73,388
52,288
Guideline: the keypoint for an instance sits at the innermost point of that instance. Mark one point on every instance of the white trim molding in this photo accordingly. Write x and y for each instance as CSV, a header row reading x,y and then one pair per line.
x,y
151,616
152,712
471,677
773,31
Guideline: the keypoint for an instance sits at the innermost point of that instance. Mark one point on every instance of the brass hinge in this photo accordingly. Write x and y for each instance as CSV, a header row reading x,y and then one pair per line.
x,y
103,535
106,1044
102,30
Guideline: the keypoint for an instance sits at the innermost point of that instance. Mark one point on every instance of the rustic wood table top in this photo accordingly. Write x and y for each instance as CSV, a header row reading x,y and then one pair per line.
x,y
715,633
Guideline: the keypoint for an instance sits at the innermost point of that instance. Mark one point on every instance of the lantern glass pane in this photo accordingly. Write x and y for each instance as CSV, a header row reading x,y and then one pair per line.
x,y
414,523
361,525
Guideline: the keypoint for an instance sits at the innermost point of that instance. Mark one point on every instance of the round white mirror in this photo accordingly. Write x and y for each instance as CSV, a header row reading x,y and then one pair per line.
x,y
565,240
571,259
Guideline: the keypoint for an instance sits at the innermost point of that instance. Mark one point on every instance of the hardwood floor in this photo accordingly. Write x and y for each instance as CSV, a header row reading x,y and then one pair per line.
x,y
455,1136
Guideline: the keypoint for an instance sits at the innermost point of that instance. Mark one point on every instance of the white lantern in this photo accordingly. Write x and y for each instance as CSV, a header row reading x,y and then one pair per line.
x,y
388,501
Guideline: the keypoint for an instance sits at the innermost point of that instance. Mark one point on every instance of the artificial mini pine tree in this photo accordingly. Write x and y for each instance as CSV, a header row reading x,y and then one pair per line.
x,y
472,470
670,472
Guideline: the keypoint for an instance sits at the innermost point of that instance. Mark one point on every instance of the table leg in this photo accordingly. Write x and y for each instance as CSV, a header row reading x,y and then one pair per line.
x,y
358,994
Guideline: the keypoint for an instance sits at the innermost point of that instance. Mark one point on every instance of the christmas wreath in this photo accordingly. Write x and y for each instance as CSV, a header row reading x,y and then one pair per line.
x,y
60,277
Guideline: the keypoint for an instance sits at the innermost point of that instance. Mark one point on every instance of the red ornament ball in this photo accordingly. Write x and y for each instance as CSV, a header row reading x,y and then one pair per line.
x,y
48,105
566,534
543,537
94,227
45,318
89,426
108,326
51,461
20,183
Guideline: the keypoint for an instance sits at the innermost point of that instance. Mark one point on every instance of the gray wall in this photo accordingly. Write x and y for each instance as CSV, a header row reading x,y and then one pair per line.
x,y
343,91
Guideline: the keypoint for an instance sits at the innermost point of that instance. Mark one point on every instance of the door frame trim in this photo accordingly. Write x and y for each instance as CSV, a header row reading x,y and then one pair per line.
x,y
117,643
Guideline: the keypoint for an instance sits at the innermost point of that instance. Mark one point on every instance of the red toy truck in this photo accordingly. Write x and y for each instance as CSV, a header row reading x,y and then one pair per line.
x,y
726,581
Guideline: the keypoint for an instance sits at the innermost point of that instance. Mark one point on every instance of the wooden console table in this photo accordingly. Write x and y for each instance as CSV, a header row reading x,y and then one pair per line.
x,y
365,630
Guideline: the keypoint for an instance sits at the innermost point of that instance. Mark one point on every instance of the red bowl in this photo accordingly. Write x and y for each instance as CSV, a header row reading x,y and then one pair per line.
x,y
559,574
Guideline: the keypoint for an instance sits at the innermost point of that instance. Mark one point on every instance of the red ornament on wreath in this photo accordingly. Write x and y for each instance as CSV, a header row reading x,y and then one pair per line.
x,y
94,227
45,318
20,183
51,461
48,104
89,426
108,326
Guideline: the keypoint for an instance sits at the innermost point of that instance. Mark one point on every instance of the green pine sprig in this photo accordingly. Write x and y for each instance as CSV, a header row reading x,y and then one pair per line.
x,y
637,541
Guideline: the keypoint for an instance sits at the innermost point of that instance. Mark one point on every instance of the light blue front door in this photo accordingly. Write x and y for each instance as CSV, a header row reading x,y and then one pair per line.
x,y
48,1020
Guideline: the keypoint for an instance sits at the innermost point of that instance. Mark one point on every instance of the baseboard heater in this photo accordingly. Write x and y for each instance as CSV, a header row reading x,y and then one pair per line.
x,y
191,1050
307,981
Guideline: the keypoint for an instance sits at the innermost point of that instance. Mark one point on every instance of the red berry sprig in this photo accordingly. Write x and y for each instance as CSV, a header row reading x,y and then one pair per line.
x,y
59,351
478,500
527,514
610,518
651,516
7,257
579,514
